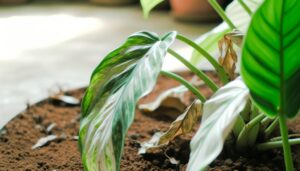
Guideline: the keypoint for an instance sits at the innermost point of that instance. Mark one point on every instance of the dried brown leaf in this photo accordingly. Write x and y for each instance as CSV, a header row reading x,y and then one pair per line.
x,y
228,56
171,102
236,36
182,125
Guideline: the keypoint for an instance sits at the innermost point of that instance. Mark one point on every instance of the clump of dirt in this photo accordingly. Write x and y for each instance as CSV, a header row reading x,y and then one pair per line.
x,y
52,118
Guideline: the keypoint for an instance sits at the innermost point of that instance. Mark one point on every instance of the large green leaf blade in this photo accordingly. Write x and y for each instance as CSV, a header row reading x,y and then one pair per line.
x,y
270,57
108,107
219,115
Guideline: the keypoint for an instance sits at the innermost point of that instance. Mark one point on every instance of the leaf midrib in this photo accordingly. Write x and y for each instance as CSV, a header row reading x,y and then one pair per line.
x,y
281,56
125,87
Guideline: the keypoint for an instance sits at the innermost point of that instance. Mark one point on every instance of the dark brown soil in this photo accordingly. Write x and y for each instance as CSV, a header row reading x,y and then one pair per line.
x,y
19,135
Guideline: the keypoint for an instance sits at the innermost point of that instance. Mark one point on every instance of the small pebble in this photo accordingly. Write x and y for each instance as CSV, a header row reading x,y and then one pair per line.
x,y
228,162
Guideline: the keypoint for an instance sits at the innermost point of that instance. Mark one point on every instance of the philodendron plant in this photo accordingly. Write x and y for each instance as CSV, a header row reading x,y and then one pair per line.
x,y
241,110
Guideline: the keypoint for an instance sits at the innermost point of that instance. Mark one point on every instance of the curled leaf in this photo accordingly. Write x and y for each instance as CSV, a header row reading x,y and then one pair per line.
x,y
182,125
236,37
228,56
172,98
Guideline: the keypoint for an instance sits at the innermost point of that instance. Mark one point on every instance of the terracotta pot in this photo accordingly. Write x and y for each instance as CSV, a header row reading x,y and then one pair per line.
x,y
193,10
114,2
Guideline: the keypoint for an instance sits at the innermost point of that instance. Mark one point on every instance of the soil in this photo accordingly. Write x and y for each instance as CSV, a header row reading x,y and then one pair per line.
x,y
19,136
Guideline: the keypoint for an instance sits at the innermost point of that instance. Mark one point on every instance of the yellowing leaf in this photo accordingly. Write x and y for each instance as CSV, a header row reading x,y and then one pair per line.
x,y
182,125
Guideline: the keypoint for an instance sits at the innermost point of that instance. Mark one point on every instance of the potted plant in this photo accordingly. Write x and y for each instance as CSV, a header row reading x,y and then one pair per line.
x,y
242,114
110,99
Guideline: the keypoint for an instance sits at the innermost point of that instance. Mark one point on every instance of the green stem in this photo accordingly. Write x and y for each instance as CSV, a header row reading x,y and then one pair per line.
x,y
290,136
221,13
185,83
198,72
266,122
271,128
245,6
220,70
276,144
289,166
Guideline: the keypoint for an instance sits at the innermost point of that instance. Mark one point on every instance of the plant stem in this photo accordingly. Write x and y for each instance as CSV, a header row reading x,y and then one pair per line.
x,y
246,8
290,136
289,166
221,13
220,70
266,122
184,82
271,128
276,144
198,72
243,140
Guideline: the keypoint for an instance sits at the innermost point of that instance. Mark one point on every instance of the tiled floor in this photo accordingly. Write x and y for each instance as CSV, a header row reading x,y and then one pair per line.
x,y
45,47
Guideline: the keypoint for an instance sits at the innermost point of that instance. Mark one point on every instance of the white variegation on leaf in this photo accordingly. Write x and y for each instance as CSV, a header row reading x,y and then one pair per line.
x,y
124,76
219,116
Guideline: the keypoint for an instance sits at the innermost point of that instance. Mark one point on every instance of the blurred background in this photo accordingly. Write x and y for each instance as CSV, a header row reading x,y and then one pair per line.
x,y
53,45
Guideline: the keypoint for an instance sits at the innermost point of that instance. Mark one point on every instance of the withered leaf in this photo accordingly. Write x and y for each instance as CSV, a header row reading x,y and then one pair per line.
x,y
236,36
182,125
228,56
172,98
172,102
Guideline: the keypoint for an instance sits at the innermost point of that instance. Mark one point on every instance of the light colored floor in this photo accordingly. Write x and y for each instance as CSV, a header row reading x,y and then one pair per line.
x,y
45,47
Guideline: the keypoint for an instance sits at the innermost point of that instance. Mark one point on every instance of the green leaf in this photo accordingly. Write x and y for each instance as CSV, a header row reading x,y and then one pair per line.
x,y
219,115
108,107
270,57
148,5
240,19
